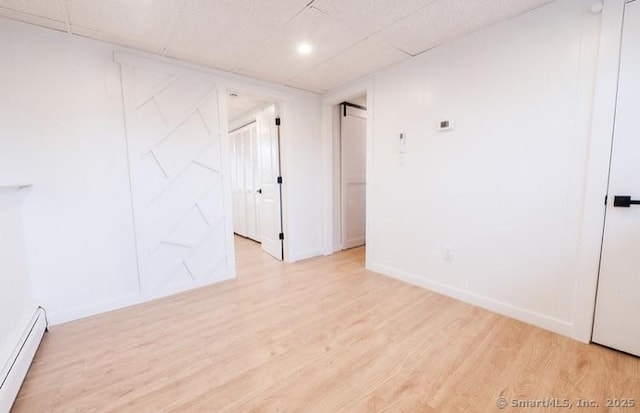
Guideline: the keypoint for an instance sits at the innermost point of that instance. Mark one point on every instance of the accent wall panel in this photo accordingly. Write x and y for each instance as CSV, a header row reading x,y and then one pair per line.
x,y
182,218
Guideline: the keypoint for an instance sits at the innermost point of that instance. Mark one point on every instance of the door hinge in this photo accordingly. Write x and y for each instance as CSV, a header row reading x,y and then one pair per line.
x,y
281,236
279,180
606,198
277,121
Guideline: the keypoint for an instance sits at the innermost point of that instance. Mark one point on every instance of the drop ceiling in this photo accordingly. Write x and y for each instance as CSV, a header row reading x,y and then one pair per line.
x,y
239,105
258,38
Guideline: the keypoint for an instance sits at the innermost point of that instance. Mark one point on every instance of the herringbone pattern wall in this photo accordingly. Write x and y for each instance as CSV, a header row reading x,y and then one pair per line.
x,y
175,149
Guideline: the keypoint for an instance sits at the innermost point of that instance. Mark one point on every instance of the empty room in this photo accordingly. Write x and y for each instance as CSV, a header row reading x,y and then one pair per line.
x,y
319,206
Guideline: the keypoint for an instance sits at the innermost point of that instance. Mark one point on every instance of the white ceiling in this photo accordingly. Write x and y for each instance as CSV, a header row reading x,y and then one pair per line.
x,y
239,105
258,38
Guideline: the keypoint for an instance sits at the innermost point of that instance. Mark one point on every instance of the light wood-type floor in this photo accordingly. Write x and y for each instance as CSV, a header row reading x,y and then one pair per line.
x,y
323,335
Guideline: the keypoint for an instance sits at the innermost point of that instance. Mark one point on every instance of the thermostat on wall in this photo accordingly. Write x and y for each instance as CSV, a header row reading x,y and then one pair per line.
x,y
445,125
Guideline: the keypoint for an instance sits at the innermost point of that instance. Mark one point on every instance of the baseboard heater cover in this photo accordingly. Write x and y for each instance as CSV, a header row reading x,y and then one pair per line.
x,y
18,364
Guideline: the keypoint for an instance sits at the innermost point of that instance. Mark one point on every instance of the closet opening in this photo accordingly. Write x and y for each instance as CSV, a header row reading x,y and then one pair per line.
x,y
256,173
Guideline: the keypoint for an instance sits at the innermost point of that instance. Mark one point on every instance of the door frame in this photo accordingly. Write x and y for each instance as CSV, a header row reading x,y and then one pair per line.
x,y
278,101
587,264
342,181
330,141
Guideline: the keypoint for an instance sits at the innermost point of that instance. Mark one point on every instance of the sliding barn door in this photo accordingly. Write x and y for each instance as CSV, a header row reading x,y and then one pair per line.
x,y
182,219
353,138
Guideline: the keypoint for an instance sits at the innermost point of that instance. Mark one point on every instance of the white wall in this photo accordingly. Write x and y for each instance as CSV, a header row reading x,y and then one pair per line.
x,y
61,126
504,190
16,299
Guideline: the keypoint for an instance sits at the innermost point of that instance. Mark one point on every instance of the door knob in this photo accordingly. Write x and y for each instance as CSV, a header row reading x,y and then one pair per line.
x,y
259,191
624,201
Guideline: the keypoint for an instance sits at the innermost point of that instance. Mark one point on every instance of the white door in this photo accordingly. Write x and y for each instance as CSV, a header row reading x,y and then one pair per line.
x,y
353,142
234,156
251,191
238,190
270,205
246,176
617,319
257,182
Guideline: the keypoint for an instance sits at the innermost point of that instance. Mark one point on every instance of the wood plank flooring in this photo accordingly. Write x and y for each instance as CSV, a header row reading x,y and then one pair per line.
x,y
323,335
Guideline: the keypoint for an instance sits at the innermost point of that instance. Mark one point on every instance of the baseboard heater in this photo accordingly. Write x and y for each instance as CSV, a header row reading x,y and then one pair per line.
x,y
18,364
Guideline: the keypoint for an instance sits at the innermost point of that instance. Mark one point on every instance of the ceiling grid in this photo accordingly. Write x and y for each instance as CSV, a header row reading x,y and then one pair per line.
x,y
258,38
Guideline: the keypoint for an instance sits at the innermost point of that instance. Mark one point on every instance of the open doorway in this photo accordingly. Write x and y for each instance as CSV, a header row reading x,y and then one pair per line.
x,y
350,173
256,180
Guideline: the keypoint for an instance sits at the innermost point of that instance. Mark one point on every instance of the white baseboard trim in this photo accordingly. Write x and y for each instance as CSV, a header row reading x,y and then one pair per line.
x,y
530,317
60,317
306,255
16,367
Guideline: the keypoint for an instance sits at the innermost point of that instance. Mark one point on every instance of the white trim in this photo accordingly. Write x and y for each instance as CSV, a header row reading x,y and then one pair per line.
x,y
592,227
15,370
305,255
286,171
235,82
126,74
500,307
61,317
223,128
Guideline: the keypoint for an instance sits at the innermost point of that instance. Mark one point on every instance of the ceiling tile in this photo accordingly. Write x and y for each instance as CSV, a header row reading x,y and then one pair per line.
x,y
222,34
45,13
369,16
32,19
365,57
44,8
447,19
258,38
144,22
279,60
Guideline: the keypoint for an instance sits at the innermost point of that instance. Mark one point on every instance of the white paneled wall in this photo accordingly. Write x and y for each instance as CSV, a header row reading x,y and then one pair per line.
x,y
178,178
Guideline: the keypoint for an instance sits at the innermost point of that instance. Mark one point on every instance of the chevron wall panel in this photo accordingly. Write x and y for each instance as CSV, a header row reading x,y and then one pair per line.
x,y
178,190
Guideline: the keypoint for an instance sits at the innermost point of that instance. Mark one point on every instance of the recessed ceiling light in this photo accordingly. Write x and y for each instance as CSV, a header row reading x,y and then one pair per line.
x,y
305,48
